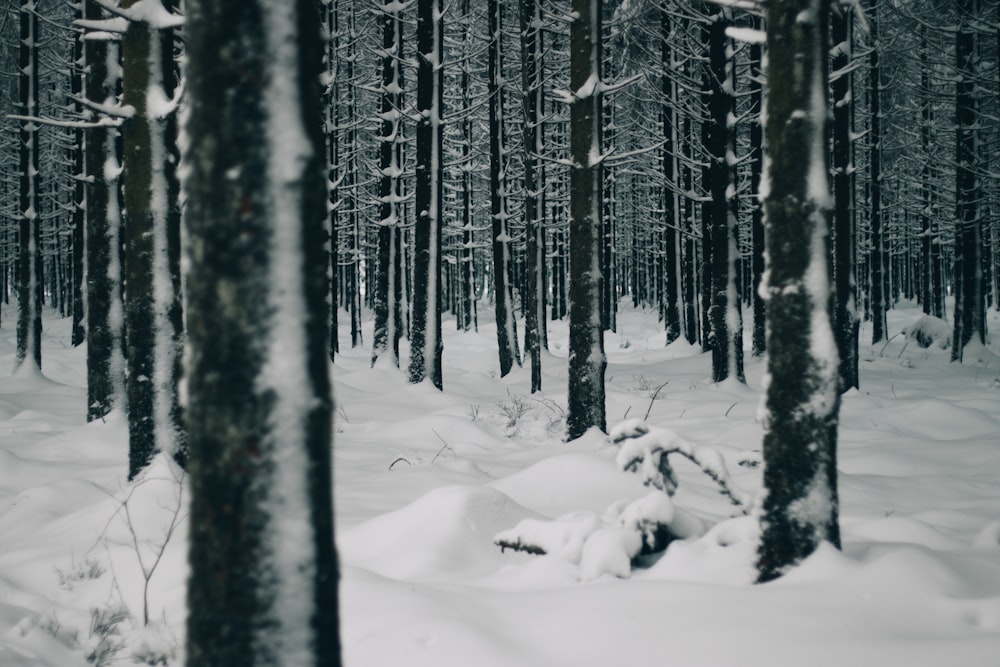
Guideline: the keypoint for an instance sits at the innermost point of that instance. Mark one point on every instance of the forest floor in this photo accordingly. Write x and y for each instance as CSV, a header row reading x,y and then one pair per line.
x,y
425,481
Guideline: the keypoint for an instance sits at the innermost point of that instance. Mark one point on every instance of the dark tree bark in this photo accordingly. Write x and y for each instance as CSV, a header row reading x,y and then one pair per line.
x,y
503,295
759,338
532,75
671,311
845,316
689,265
79,218
724,311
331,103
105,309
263,582
970,302
802,399
425,333
877,252
586,337
153,313
388,292
29,262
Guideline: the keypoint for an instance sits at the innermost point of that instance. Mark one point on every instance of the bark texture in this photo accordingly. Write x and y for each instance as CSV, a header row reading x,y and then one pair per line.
x,y
263,582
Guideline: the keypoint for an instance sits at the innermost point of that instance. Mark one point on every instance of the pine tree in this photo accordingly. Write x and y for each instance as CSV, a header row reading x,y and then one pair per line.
x,y
105,308
388,281
802,399
29,279
587,362
425,335
153,315
532,100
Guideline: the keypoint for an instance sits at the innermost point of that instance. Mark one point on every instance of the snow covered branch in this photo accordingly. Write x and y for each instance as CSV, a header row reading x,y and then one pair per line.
x,y
645,450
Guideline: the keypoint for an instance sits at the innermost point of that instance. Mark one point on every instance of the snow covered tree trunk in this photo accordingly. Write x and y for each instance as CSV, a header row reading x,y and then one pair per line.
x,y
877,252
802,399
724,312
263,583
846,322
105,309
467,314
671,311
534,185
388,318
29,262
587,362
970,308
425,333
503,293
153,317
330,17
931,234
79,218
759,338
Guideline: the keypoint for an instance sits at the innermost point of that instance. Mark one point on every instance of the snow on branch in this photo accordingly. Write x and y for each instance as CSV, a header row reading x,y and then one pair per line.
x,y
116,25
645,450
115,111
75,124
150,12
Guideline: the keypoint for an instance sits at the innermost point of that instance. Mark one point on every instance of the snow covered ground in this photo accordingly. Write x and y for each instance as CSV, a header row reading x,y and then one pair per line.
x,y
426,480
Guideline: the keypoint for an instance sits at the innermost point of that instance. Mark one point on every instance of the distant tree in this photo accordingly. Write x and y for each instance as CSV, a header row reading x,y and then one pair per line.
x,y
532,102
503,293
970,298
586,333
105,308
759,337
802,399
153,311
846,323
389,263
79,216
425,334
263,582
725,317
29,284
671,309
877,249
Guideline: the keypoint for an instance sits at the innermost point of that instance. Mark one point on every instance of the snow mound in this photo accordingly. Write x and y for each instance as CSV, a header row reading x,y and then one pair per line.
x,y
447,533
726,554
566,483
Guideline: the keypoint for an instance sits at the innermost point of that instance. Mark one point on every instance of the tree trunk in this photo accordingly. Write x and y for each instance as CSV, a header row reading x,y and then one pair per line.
x,y
970,310
532,75
105,309
802,399
29,287
388,318
845,319
586,337
877,253
263,582
759,338
425,333
153,316
671,312
79,219
724,312
503,297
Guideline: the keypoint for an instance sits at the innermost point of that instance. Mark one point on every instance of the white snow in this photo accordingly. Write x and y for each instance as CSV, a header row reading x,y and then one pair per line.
x,y
918,582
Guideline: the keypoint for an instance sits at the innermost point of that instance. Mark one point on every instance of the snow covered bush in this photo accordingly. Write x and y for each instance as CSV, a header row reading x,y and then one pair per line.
x,y
610,543
929,331
600,544
644,450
